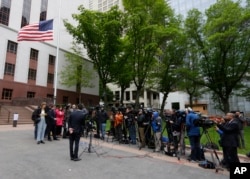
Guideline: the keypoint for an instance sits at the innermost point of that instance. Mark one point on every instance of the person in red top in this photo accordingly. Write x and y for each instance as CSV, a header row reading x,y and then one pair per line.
x,y
118,120
59,120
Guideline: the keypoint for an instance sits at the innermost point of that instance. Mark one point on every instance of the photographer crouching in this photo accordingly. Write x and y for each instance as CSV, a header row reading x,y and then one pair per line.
x,y
193,133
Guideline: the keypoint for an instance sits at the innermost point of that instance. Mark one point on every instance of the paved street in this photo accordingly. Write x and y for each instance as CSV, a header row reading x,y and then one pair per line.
x,y
22,158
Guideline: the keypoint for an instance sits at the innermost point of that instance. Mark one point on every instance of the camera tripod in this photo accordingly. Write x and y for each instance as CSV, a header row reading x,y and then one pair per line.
x,y
90,148
212,149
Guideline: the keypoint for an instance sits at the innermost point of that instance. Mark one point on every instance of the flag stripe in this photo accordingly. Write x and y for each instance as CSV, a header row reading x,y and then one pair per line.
x,y
32,33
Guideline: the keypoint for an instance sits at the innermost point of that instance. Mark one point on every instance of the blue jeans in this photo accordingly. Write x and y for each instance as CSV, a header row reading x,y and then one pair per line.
x,y
41,127
103,129
132,134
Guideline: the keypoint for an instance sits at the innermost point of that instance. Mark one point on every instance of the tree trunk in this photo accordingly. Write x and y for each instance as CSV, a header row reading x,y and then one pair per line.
x,y
225,104
165,96
137,100
122,94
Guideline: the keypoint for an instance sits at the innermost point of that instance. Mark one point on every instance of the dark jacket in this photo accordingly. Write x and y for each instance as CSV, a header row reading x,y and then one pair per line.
x,y
102,116
230,133
77,121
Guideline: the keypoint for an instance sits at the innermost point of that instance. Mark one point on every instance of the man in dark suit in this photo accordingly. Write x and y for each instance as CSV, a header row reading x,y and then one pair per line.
x,y
229,139
76,122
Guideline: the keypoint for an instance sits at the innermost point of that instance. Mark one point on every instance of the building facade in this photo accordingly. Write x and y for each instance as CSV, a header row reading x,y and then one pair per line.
x,y
31,70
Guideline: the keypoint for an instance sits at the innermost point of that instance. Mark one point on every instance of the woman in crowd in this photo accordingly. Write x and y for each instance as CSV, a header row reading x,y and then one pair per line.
x,y
41,124
59,120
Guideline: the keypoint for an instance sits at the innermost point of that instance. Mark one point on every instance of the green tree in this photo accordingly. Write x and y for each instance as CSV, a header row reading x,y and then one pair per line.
x,y
145,32
223,40
77,72
171,58
100,33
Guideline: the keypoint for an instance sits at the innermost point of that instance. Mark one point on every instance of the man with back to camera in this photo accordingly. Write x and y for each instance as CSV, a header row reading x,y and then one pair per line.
x,y
193,133
76,121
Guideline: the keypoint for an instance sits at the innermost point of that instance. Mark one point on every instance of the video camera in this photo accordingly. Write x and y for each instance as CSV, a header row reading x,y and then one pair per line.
x,y
204,122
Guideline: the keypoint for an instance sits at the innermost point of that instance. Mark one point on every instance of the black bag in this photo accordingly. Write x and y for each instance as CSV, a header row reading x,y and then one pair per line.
x,y
207,164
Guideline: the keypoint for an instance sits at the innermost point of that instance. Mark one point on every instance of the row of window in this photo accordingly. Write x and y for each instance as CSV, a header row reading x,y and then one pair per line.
x,y
7,94
127,95
12,48
10,68
6,6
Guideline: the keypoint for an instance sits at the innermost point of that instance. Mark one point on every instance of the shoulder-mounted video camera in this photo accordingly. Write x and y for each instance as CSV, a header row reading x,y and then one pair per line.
x,y
204,122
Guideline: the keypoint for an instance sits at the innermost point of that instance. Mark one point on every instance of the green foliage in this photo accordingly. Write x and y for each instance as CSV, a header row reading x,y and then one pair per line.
x,y
77,72
222,43
100,33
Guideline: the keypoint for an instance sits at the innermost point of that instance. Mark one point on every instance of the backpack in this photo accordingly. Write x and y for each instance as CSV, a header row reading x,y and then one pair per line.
x,y
34,115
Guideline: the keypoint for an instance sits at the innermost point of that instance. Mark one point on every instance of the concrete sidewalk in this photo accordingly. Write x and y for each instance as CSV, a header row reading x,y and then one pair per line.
x,y
22,158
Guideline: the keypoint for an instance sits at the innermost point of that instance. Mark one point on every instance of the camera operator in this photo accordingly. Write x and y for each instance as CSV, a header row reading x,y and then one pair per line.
x,y
76,121
157,129
229,139
141,127
130,121
193,133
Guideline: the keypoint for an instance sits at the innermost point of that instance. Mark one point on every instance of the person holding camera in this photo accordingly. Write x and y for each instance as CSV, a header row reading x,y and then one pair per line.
x,y
130,121
229,139
157,129
141,120
193,133
76,122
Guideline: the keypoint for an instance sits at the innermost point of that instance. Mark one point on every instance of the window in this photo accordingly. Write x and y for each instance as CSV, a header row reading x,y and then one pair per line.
x,y
50,78
7,93
30,94
52,59
127,96
9,69
65,99
43,11
155,96
12,47
5,12
33,54
26,13
117,95
176,106
32,74
51,96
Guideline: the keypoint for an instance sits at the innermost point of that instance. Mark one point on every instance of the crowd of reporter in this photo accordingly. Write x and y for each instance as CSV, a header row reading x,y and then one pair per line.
x,y
143,127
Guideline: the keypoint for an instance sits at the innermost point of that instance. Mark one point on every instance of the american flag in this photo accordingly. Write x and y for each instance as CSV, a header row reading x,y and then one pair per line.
x,y
42,31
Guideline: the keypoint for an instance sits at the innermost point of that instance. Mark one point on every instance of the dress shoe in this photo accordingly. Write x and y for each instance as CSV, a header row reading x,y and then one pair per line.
x,y
77,159
42,142
56,139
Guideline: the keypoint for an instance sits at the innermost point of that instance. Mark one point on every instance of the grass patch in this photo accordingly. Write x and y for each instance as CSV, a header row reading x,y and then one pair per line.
x,y
213,135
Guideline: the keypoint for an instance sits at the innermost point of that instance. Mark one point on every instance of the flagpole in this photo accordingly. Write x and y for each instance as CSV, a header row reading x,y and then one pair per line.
x,y
57,50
